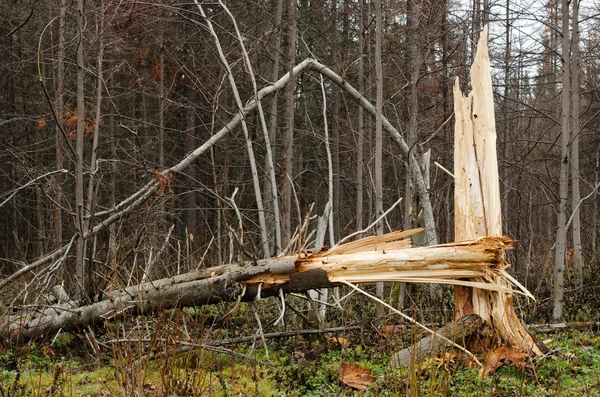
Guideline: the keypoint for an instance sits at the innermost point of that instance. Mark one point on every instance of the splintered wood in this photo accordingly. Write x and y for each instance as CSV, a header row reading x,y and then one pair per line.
x,y
390,258
477,205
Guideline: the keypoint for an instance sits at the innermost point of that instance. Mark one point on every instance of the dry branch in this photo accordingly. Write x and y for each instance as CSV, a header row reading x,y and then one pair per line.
x,y
379,260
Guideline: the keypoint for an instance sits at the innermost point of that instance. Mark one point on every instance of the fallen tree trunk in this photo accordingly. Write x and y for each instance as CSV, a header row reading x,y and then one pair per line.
x,y
457,332
382,258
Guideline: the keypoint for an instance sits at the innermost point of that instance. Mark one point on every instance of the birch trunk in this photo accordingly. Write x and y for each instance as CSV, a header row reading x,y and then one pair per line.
x,y
575,172
273,122
563,194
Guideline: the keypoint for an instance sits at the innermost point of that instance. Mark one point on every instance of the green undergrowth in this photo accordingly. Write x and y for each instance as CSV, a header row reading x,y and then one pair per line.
x,y
299,366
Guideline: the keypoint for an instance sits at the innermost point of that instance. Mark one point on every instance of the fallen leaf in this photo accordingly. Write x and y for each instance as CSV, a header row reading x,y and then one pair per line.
x,y
340,341
356,376
501,356
445,358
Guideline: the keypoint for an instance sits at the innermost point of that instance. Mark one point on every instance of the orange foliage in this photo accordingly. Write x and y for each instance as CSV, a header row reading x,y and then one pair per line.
x,y
164,181
41,123
158,76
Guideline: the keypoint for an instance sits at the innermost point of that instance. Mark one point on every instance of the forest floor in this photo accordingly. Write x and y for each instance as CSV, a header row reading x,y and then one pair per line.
x,y
109,362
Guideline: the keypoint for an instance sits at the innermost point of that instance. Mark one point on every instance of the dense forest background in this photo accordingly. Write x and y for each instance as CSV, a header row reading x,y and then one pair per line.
x,y
99,98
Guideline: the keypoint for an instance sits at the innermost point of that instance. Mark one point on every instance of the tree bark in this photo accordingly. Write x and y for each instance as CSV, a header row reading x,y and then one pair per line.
x,y
248,139
89,205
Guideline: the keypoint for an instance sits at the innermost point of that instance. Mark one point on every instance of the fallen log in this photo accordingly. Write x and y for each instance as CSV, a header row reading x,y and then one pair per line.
x,y
457,332
384,258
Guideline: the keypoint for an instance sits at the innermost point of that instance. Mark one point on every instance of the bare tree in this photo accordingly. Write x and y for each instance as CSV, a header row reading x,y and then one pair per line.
x,y
575,125
561,232
79,204
361,119
379,135
58,135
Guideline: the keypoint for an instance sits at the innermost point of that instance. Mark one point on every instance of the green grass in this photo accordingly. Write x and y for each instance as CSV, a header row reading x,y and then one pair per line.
x,y
68,369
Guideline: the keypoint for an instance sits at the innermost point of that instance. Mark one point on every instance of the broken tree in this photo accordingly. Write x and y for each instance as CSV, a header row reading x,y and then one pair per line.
x,y
477,207
381,258
476,266
477,213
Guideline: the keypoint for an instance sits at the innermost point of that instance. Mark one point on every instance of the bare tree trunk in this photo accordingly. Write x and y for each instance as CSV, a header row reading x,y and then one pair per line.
x,y
561,232
361,120
575,174
190,142
287,149
335,131
93,167
161,102
80,269
58,138
274,199
270,168
507,118
112,239
379,137
475,27
596,217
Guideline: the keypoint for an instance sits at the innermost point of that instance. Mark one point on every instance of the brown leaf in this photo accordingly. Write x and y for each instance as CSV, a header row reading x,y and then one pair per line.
x,y
501,356
339,340
41,123
356,376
